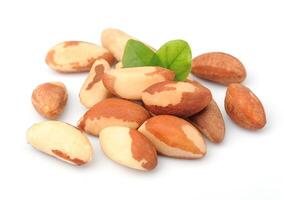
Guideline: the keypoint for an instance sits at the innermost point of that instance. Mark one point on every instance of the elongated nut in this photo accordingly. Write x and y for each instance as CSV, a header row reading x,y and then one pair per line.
x,y
93,89
129,83
219,67
174,137
244,108
113,112
176,98
62,141
115,41
128,147
210,122
49,99
76,56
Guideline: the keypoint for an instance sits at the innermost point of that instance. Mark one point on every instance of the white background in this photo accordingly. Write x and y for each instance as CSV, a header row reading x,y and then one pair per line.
x,y
247,165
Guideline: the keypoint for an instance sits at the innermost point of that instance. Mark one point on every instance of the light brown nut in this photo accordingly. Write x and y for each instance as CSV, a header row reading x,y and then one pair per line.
x,y
93,89
218,67
174,137
76,56
113,112
115,41
62,141
49,99
176,98
210,122
129,83
128,147
244,108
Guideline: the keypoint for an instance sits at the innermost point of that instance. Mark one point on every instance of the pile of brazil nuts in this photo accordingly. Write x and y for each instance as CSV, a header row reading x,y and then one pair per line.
x,y
141,111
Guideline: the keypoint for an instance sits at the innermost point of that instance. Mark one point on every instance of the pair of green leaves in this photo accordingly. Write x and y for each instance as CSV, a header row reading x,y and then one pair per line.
x,y
174,55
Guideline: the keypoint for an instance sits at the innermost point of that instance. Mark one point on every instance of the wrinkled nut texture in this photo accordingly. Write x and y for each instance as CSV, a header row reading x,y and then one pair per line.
x,y
174,137
176,98
115,41
218,67
62,141
76,56
129,83
244,108
113,112
93,89
49,99
210,122
128,147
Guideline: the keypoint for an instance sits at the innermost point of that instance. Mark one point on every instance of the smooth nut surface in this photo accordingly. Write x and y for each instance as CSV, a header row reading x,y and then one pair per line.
x,y
113,112
244,108
49,99
61,140
210,122
118,65
218,67
128,147
93,89
176,98
115,41
129,83
174,137
76,56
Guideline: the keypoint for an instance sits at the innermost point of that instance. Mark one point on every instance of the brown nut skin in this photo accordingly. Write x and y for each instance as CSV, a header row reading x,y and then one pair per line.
x,y
62,141
76,56
93,90
210,122
218,67
182,99
129,83
128,147
113,112
174,137
244,108
49,99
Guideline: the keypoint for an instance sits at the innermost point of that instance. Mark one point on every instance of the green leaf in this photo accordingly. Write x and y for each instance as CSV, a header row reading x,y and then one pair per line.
x,y
137,54
176,56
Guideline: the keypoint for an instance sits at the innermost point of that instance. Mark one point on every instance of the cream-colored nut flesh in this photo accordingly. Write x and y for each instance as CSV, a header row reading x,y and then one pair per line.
x,y
76,56
128,147
118,65
93,89
129,83
113,112
176,98
115,41
49,99
170,93
62,141
174,137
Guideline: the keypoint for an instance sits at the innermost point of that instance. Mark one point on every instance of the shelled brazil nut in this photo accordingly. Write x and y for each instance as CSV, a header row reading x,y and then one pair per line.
x,y
244,108
93,89
76,56
128,147
62,141
219,67
129,83
174,137
176,98
49,99
113,112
